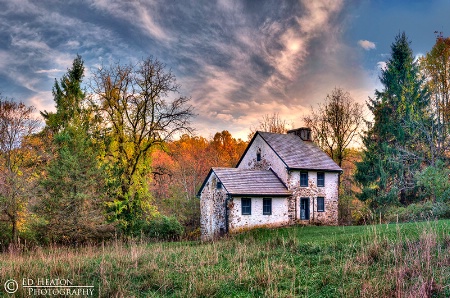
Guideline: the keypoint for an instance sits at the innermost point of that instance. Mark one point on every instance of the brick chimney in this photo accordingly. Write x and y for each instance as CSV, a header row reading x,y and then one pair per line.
x,y
303,132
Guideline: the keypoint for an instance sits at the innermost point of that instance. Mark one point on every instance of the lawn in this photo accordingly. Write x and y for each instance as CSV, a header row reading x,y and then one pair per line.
x,y
397,260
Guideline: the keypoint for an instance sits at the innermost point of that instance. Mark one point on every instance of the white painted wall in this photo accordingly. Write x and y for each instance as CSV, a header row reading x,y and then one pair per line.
x,y
239,222
269,159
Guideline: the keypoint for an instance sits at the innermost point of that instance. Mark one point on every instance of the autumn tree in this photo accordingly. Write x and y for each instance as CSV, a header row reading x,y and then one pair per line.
x,y
436,67
139,109
17,123
270,123
336,124
177,175
227,150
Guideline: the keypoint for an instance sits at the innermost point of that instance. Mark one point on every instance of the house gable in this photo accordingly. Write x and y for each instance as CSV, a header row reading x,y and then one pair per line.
x,y
269,159
298,154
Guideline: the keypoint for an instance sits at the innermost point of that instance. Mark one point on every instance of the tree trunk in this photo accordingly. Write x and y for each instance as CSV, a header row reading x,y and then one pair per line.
x,y
14,232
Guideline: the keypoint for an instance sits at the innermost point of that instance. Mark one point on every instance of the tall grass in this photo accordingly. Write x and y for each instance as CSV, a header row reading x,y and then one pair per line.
x,y
405,260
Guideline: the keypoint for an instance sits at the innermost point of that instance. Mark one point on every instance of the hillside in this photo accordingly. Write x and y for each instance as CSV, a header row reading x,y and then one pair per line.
x,y
370,261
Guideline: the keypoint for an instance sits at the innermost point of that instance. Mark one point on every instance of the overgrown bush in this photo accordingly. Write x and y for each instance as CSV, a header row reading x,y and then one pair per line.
x,y
163,228
5,235
186,210
353,211
435,183
33,232
419,211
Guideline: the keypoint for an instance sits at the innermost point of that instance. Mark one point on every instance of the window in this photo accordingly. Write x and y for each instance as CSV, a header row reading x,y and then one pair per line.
x,y
258,156
219,185
320,204
246,206
267,206
304,179
321,179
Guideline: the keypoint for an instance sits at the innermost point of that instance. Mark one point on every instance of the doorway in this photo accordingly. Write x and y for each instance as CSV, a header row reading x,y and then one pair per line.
x,y
304,208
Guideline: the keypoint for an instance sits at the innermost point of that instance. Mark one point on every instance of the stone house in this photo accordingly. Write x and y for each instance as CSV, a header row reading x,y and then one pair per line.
x,y
281,179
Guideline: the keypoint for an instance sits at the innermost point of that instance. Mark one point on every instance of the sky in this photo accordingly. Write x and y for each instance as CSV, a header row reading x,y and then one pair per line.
x,y
236,60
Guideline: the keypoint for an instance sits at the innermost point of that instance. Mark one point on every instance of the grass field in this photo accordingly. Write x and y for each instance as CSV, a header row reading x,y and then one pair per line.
x,y
404,260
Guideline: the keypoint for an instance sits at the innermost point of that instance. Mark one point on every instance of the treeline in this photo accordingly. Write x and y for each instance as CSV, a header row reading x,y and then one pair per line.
x,y
83,176
118,157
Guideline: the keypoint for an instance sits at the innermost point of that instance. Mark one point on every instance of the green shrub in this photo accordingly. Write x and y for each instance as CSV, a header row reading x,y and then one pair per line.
x,y
435,183
34,231
419,211
163,228
5,235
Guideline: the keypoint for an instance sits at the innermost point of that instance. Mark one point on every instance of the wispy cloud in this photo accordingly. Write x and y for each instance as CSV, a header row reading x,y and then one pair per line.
x,y
142,14
238,60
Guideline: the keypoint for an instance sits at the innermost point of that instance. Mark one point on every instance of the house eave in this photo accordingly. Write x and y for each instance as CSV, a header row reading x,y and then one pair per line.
x,y
261,195
316,170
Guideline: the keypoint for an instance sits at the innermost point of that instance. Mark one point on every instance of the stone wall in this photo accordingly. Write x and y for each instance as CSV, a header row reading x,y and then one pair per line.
x,y
239,222
212,210
330,194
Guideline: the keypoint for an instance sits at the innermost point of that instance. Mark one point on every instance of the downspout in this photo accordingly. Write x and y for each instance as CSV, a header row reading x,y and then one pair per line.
x,y
295,208
226,212
314,219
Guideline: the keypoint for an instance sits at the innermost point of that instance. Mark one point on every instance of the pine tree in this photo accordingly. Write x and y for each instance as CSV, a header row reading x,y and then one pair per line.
x,y
72,196
394,147
68,96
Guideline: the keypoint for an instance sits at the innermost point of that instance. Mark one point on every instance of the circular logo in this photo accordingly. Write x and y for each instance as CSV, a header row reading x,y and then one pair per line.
x,y
11,286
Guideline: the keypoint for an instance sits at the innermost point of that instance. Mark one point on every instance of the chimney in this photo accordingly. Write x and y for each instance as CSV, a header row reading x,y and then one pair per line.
x,y
303,132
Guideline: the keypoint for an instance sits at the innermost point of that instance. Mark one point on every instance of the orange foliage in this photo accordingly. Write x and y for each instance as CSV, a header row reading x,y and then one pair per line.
x,y
186,162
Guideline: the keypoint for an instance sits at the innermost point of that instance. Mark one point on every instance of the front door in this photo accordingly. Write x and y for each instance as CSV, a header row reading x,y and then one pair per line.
x,y
304,208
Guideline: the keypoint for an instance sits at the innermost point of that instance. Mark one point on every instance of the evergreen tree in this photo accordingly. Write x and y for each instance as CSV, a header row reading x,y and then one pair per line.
x,y
72,196
394,147
68,96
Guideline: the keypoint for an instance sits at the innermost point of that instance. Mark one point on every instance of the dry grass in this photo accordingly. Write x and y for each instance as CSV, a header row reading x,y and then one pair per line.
x,y
411,260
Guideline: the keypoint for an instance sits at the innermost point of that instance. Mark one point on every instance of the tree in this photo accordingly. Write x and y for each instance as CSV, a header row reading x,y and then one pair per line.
x,y
138,109
72,190
17,123
436,68
394,147
336,124
226,149
68,97
270,123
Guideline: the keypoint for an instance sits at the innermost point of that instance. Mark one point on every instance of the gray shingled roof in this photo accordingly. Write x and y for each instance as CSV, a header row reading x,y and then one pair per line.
x,y
299,154
251,182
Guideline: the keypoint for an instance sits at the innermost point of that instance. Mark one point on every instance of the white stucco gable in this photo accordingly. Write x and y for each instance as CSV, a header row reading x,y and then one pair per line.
x,y
259,155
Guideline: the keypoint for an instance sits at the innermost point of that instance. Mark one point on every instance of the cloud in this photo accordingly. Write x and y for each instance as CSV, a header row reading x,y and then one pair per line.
x,y
367,45
382,65
53,70
142,14
238,60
